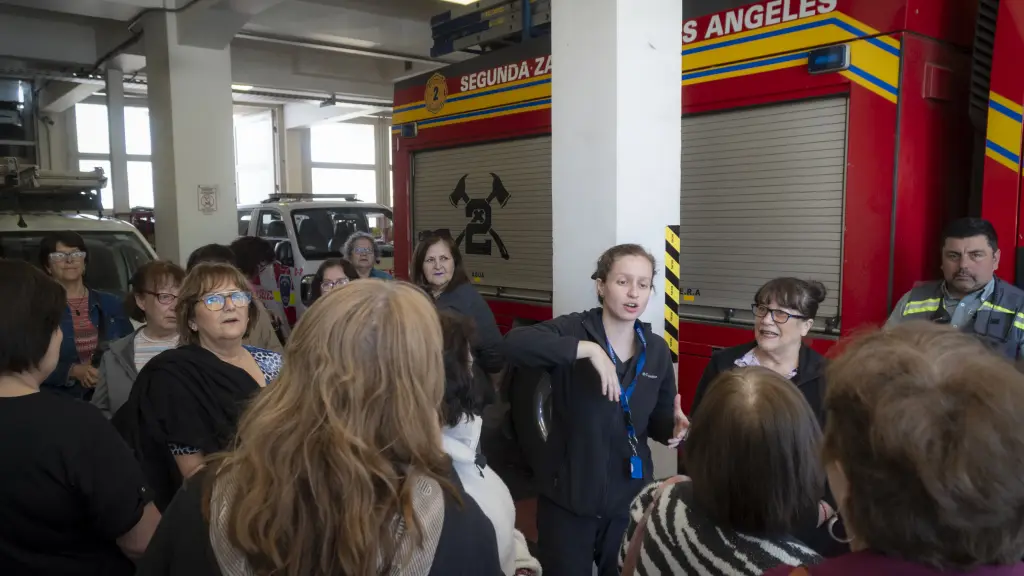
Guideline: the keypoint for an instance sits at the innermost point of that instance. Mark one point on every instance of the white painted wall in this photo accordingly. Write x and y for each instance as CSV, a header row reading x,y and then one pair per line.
x,y
616,147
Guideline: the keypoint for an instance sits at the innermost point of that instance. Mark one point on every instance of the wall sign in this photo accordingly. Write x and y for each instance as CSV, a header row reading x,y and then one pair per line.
x,y
207,199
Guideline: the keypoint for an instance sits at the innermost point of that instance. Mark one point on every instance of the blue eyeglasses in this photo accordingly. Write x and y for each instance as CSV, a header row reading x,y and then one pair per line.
x,y
215,302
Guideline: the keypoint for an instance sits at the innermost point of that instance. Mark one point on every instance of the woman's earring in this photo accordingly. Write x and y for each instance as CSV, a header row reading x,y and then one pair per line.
x,y
192,327
832,532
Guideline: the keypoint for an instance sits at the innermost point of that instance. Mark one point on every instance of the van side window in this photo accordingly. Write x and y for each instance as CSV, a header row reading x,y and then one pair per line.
x,y
244,217
272,225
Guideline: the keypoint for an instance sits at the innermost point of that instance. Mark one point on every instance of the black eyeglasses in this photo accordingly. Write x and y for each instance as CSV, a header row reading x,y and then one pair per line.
x,y
163,297
779,316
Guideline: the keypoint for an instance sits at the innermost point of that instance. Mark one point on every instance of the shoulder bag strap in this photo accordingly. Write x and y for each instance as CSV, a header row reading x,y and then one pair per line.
x,y
636,542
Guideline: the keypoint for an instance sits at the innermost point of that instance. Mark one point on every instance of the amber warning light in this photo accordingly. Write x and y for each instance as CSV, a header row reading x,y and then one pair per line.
x,y
829,59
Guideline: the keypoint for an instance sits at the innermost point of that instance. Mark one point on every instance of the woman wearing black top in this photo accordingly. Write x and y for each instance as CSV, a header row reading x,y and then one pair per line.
x,y
437,268
72,497
339,467
784,312
613,386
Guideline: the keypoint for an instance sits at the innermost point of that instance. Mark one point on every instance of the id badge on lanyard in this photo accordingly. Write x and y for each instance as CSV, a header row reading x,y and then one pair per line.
x,y
636,466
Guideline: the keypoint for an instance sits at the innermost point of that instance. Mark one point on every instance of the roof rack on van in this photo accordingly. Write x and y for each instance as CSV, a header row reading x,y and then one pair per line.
x,y
27,188
303,197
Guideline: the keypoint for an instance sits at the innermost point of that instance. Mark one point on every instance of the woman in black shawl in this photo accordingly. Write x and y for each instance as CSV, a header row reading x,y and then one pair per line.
x,y
186,401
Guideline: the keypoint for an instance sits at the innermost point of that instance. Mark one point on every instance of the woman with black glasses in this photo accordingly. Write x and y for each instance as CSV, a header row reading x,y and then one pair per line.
x,y
153,296
91,320
784,311
333,273
186,402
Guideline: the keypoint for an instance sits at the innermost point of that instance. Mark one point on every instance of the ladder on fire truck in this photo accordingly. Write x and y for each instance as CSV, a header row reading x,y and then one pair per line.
x,y
489,25
31,189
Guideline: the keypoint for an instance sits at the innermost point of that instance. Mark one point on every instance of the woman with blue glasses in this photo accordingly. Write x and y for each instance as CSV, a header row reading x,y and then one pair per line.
x,y
186,401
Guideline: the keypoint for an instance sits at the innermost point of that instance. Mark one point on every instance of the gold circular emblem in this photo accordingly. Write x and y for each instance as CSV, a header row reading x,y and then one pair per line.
x,y
436,93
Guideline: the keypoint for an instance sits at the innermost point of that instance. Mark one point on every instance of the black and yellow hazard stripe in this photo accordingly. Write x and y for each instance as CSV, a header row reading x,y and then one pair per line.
x,y
672,290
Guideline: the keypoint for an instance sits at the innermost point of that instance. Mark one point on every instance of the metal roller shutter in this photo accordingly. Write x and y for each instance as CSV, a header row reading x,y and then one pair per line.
x,y
762,197
510,181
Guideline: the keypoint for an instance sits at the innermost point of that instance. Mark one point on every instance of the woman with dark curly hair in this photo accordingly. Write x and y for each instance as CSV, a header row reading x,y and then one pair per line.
x,y
925,456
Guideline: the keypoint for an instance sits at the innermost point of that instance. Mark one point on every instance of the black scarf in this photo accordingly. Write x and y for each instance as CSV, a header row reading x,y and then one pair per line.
x,y
185,396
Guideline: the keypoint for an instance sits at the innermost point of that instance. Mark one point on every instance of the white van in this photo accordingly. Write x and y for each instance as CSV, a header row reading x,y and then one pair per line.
x,y
116,248
306,230
35,203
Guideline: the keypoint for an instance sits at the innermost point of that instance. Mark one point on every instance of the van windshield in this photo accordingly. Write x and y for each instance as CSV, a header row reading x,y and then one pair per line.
x,y
113,256
322,231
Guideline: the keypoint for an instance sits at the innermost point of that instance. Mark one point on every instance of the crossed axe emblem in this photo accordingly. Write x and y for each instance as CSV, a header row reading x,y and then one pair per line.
x,y
478,210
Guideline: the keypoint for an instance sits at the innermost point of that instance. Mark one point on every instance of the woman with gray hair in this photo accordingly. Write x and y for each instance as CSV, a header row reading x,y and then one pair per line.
x,y
361,250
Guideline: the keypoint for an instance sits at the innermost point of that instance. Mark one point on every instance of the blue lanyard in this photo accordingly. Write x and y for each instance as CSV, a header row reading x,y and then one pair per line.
x,y
627,393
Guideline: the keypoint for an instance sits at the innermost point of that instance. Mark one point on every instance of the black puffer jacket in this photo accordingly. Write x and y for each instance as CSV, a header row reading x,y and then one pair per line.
x,y
586,465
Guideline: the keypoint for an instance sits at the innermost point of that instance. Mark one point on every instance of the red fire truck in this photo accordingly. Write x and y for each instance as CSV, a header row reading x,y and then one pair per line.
x,y
997,101
844,176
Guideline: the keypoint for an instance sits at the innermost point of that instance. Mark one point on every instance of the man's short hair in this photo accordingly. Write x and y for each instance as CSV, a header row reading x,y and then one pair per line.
x,y
924,421
752,453
968,228
210,253
251,253
35,304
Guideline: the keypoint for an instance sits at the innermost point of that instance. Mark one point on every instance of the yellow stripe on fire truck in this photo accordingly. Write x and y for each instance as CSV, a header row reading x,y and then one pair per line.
x,y
1003,135
672,290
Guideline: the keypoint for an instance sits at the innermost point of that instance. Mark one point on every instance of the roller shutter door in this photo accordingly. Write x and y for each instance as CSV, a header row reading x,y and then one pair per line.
x,y
762,197
508,181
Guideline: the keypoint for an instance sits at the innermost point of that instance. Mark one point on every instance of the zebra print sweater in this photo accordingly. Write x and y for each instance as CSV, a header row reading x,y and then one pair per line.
x,y
682,541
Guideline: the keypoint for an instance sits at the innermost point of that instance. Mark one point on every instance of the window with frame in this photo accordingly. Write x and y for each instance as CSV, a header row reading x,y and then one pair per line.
x,y
272,225
255,165
255,174
344,159
92,135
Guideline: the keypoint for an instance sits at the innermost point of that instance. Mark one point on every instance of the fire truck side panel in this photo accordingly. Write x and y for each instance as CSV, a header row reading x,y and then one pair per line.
x,y
1002,176
762,197
465,189
934,156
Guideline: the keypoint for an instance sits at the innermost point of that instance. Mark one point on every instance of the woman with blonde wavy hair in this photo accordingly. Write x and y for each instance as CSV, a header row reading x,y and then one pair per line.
x,y
337,469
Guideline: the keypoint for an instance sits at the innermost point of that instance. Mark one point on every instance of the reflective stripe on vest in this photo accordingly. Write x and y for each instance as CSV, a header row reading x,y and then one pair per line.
x,y
919,306
994,321
932,304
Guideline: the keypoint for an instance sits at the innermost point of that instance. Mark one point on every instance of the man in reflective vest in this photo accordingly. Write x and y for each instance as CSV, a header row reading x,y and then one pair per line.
x,y
970,298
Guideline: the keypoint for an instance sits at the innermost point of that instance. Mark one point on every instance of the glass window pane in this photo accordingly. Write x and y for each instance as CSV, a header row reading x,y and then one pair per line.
x,y
362,183
343,142
254,140
136,131
255,184
105,194
254,157
91,128
140,185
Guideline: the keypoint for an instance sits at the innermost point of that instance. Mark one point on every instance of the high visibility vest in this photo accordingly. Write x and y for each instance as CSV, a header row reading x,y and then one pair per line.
x,y
995,321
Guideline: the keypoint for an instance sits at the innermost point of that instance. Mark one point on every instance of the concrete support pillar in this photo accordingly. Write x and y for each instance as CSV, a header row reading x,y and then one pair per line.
x,y
190,111
616,145
118,148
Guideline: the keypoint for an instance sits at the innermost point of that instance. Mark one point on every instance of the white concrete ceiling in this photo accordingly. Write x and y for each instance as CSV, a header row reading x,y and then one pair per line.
x,y
71,35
